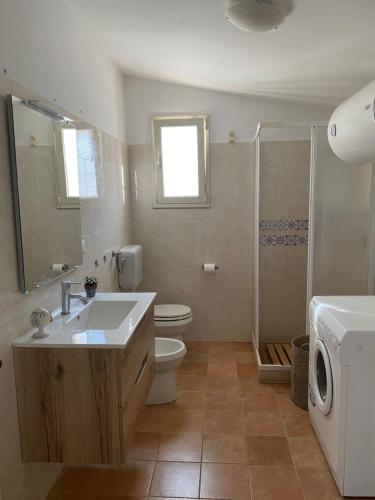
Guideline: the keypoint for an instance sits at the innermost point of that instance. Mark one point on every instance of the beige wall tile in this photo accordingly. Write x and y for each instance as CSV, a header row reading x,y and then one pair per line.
x,y
284,194
178,241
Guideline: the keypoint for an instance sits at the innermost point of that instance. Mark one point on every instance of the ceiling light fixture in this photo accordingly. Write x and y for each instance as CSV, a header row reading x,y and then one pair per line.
x,y
254,15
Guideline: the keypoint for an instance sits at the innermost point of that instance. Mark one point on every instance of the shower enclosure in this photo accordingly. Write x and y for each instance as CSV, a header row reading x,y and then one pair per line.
x,y
313,235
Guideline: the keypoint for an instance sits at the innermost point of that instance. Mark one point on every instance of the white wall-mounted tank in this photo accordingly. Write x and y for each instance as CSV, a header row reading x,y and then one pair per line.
x,y
130,267
351,129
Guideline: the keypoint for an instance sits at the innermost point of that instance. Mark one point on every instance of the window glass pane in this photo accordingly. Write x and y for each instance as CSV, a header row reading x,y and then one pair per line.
x,y
69,137
179,149
88,182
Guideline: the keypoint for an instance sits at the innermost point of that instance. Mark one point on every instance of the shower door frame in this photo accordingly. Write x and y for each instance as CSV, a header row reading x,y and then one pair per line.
x,y
256,140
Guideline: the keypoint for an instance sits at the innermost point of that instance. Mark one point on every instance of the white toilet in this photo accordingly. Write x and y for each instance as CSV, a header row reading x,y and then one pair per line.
x,y
171,322
169,354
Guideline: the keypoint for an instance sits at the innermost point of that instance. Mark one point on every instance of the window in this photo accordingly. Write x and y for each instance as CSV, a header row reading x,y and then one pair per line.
x,y
181,161
69,140
76,166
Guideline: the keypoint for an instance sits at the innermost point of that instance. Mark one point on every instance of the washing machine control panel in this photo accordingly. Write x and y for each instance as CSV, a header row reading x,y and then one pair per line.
x,y
327,335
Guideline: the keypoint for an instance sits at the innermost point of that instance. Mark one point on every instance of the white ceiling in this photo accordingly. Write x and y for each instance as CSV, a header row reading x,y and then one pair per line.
x,y
323,52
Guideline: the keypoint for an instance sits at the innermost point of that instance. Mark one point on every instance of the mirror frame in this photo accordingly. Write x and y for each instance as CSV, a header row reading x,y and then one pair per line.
x,y
15,190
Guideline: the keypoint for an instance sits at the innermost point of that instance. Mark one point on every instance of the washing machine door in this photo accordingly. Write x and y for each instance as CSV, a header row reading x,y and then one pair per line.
x,y
322,377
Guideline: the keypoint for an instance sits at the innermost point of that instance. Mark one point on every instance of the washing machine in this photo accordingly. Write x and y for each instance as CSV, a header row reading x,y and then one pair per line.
x,y
342,388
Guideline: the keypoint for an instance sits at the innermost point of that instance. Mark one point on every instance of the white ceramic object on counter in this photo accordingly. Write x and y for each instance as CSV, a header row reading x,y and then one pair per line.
x,y
40,318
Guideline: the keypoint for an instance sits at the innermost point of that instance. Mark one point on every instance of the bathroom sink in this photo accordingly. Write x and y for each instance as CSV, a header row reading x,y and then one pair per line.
x,y
107,321
102,315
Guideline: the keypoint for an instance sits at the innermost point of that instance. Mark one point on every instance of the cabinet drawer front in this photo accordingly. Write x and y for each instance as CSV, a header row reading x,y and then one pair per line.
x,y
134,359
136,400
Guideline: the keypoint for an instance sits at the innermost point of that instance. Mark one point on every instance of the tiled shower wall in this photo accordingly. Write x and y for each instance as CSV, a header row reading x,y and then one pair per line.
x,y
178,241
105,225
283,214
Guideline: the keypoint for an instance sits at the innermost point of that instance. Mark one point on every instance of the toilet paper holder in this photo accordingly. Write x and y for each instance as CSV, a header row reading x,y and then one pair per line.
x,y
216,267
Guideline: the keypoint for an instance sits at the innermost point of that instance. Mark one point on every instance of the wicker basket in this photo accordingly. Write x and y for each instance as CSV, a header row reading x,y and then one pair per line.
x,y
300,371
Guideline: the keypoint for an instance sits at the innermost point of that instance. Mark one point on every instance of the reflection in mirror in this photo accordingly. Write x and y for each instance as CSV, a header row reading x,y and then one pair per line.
x,y
46,153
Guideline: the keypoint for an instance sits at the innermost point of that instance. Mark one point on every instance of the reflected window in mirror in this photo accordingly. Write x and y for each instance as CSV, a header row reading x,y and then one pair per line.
x,y
77,166
69,139
89,180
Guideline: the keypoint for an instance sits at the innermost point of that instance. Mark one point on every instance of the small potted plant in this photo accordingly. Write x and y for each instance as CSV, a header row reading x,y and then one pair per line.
x,y
91,284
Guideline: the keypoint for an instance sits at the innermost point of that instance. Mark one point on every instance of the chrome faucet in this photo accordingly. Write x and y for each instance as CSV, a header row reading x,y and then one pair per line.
x,y
66,296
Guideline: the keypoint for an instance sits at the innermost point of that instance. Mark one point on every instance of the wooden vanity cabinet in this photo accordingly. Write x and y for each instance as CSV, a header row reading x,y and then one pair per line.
x,y
79,405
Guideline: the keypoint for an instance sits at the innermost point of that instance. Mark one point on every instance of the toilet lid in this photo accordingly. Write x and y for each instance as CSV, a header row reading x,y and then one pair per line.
x,y
166,312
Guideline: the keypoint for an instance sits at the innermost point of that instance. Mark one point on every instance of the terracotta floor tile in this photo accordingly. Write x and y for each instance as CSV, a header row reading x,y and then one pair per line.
x,y
144,446
192,368
245,357
246,370
79,480
224,448
222,384
286,405
192,345
196,357
152,418
298,426
181,448
222,356
223,422
117,497
275,483
185,421
189,400
222,369
281,388
225,481
61,495
268,450
231,346
318,483
133,479
263,423
250,386
258,402
223,401
176,479
191,382
306,452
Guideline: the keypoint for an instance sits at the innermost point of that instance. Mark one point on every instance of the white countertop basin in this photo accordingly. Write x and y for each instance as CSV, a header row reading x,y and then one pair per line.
x,y
107,321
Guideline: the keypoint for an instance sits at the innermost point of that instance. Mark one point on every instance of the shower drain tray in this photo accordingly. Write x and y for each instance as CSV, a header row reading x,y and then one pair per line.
x,y
274,362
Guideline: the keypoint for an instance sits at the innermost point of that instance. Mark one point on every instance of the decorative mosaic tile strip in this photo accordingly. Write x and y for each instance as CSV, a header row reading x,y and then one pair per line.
x,y
284,225
288,240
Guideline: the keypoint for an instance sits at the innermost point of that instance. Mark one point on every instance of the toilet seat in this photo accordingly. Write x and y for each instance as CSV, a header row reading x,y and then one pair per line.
x,y
171,312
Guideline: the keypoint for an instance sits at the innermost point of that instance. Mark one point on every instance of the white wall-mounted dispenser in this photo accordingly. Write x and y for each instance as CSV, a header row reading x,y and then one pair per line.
x,y
129,261
351,129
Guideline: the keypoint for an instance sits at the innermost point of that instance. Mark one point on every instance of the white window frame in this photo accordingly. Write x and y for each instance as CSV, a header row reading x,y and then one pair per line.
x,y
63,200
202,123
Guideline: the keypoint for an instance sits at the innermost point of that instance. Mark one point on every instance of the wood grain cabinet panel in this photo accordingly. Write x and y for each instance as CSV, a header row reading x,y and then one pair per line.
x,y
80,406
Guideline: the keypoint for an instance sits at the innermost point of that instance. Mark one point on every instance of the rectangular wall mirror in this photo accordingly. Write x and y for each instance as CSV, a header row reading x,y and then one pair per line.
x,y
45,180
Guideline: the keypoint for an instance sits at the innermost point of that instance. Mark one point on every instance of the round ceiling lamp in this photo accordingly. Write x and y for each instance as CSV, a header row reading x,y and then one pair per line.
x,y
254,15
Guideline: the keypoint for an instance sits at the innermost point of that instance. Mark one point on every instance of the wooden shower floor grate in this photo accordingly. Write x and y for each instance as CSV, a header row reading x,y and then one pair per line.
x,y
275,354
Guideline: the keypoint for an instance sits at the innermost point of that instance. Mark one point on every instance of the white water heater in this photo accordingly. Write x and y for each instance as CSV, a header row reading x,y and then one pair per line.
x,y
351,129
130,267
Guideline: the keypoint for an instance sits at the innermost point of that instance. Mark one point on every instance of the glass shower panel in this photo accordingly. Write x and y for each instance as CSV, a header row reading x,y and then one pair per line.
x,y
284,171
341,213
